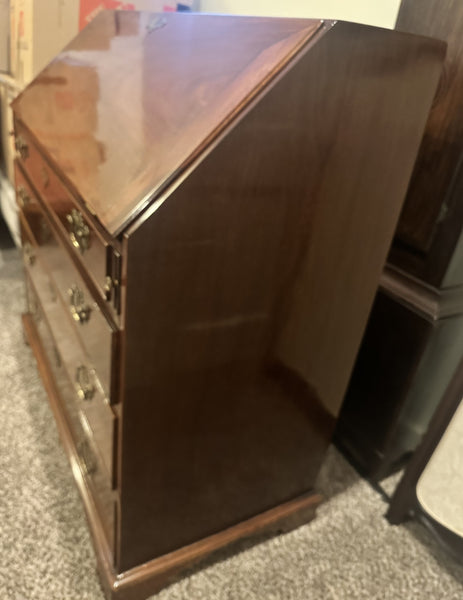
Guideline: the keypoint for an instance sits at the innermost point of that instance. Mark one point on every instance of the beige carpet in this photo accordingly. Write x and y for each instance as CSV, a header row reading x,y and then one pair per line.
x,y
348,552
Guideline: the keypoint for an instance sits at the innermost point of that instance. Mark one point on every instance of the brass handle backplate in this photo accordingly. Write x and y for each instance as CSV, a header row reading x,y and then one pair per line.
x,y
108,286
84,386
79,309
79,232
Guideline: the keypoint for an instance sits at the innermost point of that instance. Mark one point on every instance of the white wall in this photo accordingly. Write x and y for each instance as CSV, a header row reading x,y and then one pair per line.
x,y
382,13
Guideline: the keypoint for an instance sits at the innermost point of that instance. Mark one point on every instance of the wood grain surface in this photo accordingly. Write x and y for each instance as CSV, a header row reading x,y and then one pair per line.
x,y
95,334
252,174
61,205
432,217
248,287
88,472
137,95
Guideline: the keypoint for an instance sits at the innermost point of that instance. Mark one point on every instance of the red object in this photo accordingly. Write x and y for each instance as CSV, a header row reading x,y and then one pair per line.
x,y
90,8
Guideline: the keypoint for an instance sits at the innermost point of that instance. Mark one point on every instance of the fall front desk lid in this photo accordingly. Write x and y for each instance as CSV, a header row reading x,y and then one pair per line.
x,y
137,96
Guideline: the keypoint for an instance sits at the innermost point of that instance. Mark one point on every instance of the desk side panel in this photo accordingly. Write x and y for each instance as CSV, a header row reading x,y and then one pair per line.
x,y
248,288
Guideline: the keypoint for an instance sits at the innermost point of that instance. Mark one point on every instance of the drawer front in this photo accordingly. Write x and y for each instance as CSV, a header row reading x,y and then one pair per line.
x,y
89,459
87,392
94,331
83,240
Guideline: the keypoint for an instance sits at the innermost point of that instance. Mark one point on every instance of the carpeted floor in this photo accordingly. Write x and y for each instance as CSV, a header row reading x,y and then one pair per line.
x,y
348,552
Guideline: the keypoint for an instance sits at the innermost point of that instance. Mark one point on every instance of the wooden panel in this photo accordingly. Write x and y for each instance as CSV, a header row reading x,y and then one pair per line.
x,y
249,286
87,468
118,140
83,239
98,416
95,333
232,162
149,578
429,199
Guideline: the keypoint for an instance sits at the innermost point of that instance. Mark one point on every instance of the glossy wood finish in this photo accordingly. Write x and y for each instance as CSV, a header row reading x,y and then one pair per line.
x,y
95,334
97,496
92,251
123,140
77,438
151,577
101,422
254,320
100,502
431,222
247,278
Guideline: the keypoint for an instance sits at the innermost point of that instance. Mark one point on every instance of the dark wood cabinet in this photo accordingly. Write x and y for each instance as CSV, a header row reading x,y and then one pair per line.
x,y
428,242
207,203
415,333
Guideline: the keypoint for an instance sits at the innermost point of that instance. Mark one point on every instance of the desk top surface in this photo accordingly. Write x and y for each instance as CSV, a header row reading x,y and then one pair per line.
x,y
136,97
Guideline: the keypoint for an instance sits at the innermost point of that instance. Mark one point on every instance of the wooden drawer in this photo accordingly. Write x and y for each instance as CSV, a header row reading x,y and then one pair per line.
x,y
90,461
87,394
96,334
84,240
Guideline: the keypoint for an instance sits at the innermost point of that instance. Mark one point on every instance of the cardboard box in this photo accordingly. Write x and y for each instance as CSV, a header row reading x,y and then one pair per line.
x,y
4,36
39,29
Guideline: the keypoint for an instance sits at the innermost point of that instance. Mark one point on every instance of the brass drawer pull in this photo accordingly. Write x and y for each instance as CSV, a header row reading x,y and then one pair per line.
x,y
79,310
84,387
22,147
22,195
79,233
87,459
108,286
29,254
